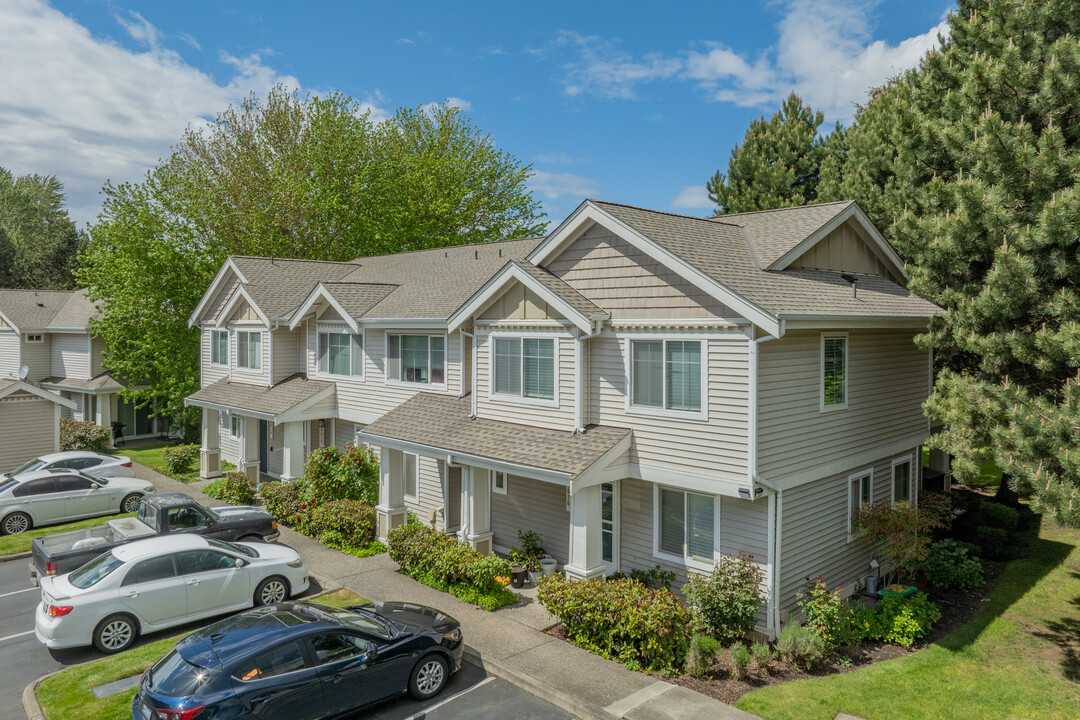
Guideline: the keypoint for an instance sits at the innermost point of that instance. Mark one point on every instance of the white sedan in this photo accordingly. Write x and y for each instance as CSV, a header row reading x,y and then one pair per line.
x,y
153,584
44,497
86,462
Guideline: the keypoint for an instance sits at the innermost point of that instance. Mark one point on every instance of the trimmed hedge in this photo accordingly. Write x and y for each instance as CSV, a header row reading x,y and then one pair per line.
x,y
283,500
85,436
179,459
621,620
235,488
344,524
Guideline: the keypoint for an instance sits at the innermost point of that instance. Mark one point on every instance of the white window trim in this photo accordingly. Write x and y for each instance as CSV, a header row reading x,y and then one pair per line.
x,y
416,463
847,372
866,473
521,399
235,355
628,391
228,348
405,383
689,562
913,496
34,338
342,329
235,421
505,479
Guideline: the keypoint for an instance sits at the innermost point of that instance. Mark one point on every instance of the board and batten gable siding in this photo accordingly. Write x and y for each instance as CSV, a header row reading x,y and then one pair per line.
x,y
716,447
97,355
37,357
288,352
846,250
30,428
627,283
888,380
9,353
527,412
71,356
532,505
518,303
210,373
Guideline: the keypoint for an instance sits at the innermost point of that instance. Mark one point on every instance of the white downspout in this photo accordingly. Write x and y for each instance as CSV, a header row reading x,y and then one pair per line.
x,y
472,372
776,499
579,384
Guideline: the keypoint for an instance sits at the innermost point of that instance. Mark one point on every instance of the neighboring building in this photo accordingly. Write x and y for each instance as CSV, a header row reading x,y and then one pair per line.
x,y
640,388
29,422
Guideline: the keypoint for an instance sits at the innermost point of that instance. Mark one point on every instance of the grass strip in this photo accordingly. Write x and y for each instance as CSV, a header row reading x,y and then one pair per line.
x,y
11,544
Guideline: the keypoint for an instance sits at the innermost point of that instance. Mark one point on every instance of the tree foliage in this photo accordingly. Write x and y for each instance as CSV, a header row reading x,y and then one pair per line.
x,y
285,176
39,243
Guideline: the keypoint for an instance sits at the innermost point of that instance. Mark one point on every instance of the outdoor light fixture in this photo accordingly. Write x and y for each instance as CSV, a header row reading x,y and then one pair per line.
x,y
744,493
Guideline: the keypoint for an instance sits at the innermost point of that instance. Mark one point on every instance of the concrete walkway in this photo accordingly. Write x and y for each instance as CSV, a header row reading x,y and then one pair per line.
x,y
509,643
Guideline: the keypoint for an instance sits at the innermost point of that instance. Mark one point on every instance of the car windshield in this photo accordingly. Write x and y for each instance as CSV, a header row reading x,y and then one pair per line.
x,y
28,466
363,623
232,547
176,677
94,571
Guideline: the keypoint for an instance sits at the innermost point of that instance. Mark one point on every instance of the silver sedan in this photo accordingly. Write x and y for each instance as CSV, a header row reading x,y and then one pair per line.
x,y
43,497
88,463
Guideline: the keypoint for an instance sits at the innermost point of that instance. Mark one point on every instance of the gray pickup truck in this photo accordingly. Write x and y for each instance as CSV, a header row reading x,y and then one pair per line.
x,y
159,514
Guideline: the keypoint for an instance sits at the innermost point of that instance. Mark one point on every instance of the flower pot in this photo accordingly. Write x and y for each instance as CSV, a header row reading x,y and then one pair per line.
x,y
518,576
533,577
548,565
906,592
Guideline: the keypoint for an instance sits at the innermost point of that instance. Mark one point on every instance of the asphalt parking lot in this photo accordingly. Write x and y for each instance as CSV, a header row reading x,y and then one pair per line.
x,y
470,694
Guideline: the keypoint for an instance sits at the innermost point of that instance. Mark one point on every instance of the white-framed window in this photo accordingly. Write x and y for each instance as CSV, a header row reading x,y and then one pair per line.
x,y
524,367
860,495
903,480
411,470
834,371
219,347
666,376
223,421
234,426
687,526
416,359
249,349
34,337
498,482
78,398
341,353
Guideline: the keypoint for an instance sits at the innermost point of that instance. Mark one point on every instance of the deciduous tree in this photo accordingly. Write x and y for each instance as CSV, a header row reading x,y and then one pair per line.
x,y
39,243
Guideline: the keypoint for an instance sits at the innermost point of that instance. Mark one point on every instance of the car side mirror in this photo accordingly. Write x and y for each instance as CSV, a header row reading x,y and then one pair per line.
x,y
239,563
370,654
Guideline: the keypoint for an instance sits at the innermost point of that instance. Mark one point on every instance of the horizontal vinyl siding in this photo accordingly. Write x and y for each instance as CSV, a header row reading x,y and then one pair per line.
x,y
230,446
344,433
244,375
37,357
30,429
9,353
288,354
555,418
717,447
97,356
429,492
888,380
71,356
532,505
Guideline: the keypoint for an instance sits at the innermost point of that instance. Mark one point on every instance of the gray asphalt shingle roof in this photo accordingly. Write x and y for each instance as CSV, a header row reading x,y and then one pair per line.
x,y
560,287
443,422
774,232
46,309
276,400
104,381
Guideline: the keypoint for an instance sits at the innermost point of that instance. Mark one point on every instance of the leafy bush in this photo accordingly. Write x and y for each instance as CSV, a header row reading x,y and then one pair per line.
x,y
998,516
283,500
620,620
901,620
531,551
800,645
86,436
827,613
904,531
424,551
344,524
740,661
179,459
762,654
235,488
724,602
330,474
993,541
951,566
654,578
702,655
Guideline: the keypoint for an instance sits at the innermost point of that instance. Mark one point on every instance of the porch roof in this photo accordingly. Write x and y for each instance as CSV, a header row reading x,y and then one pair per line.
x,y
102,381
290,396
442,422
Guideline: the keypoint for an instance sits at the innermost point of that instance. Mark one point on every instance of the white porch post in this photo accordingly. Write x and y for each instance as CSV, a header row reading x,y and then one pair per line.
x,y
105,414
391,508
210,452
476,503
292,451
249,448
586,553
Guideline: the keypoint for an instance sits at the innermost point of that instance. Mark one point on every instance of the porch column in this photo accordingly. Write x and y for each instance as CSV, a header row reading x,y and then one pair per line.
x,y
391,508
105,414
586,553
210,452
249,448
292,451
476,502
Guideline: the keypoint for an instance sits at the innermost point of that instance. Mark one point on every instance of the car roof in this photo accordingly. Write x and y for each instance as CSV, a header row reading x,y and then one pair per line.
x,y
69,454
150,547
166,499
49,473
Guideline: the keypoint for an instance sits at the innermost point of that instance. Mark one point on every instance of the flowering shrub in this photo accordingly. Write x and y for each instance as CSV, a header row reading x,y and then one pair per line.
x,y
283,500
423,550
344,524
330,474
87,436
235,488
621,620
953,565
179,459
724,602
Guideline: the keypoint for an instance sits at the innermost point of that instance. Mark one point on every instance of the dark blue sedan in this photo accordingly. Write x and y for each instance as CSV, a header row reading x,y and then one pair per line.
x,y
300,661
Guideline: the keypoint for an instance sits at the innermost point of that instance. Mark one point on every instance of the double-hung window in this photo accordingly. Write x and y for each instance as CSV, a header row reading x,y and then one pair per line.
x,y
666,375
687,525
902,480
341,353
249,350
419,359
524,367
410,470
860,496
219,347
234,426
834,371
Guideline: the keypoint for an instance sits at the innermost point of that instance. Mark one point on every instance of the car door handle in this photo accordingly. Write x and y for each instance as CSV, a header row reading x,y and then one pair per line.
x,y
335,679
259,699
192,582
133,594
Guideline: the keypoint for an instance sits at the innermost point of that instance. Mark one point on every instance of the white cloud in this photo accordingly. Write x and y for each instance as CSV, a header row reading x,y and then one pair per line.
x,y
693,197
405,41
464,105
556,185
605,71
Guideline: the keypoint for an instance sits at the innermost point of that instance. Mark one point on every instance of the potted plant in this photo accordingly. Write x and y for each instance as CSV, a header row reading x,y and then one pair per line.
x,y
529,555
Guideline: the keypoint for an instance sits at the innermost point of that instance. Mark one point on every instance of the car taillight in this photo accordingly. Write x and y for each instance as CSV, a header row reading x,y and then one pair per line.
x,y
59,610
182,714
127,464
50,568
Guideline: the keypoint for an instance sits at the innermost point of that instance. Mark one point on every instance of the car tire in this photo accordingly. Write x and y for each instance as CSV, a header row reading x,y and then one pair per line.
x,y
428,677
134,500
273,589
15,523
115,633
252,538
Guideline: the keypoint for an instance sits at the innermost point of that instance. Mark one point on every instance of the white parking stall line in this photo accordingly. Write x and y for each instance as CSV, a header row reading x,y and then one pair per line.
x,y
16,635
420,715
16,592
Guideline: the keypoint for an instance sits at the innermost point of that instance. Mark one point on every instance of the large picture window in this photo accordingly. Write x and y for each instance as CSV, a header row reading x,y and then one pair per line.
x,y
249,350
666,375
219,347
833,372
524,367
687,525
417,359
341,353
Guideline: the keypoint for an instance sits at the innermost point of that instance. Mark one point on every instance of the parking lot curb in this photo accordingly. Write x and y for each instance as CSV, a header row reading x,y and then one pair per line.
x,y
15,556
29,697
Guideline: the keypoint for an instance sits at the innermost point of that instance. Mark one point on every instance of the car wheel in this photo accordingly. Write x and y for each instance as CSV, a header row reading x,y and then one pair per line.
x,y
115,633
16,523
131,503
272,590
428,677
252,538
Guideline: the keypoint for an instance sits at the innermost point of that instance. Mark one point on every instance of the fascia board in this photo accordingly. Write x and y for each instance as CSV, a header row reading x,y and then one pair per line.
x,y
241,294
319,292
212,290
499,283
33,390
852,212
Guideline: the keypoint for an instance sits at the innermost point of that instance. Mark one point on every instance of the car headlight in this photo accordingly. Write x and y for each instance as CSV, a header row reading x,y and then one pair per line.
x,y
297,563
453,636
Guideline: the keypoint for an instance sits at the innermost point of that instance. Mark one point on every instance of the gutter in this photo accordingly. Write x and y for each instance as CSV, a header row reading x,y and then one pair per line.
x,y
775,551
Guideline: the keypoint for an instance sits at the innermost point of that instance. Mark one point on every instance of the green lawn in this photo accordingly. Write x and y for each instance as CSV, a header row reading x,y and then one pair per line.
x,y
11,544
69,694
1020,658
151,458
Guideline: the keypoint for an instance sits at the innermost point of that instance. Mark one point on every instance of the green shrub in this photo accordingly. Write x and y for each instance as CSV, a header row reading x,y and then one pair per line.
x,y
724,602
424,551
827,614
762,654
997,515
283,500
490,600
179,459
620,620
951,566
344,524
800,645
531,551
85,436
901,620
332,475
740,661
655,578
235,488
359,468
993,541
702,655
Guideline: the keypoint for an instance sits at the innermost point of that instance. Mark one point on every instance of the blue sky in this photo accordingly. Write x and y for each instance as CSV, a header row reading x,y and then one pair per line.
x,y
629,102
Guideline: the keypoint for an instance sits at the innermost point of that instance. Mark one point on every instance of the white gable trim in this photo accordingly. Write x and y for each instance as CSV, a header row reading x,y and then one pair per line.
x,y
497,285
853,212
34,390
196,315
296,412
238,295
7,321
319,292
587,212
